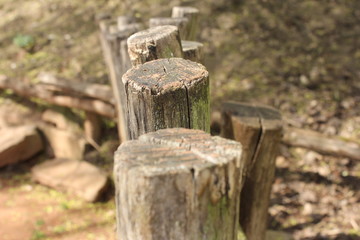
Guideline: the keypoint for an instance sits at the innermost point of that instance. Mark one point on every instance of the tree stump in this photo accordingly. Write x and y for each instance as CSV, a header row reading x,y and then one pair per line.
x,y
259,130
154,43
193,15
192,51
114,46
167,93
178,184
180,22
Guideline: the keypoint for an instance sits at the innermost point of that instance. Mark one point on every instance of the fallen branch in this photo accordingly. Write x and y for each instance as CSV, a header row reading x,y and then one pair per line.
x,y
39,91
320,143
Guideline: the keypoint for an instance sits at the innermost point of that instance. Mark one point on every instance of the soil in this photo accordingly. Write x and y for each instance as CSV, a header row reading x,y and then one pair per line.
x,y
301,57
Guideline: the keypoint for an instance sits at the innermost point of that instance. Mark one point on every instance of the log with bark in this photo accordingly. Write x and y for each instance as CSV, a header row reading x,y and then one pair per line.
x,y
321,143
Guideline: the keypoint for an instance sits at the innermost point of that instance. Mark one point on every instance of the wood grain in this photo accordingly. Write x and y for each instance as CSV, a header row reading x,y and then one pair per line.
x,y
259,130
167,93
154,43
178,184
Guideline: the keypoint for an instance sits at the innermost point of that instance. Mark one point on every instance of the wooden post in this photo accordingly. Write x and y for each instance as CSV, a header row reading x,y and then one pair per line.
x,y
180,22
178,184
167,93
259,130
193,51
114,47
92,127
193,15
154,43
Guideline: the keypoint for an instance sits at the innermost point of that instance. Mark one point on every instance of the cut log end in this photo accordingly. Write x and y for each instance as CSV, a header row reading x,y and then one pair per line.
x,y
154,43
177,182
192,51
165,75
167,93
180,11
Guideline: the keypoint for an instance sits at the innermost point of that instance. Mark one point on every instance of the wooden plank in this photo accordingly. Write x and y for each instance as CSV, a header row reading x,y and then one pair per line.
x,y
167,93
193,15
154,43
177,184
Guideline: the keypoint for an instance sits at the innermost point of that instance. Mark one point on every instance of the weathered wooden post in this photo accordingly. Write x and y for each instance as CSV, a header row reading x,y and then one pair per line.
x,y
193,15
178,184
114,45
167,93
154,43
259,130
180,22
192,51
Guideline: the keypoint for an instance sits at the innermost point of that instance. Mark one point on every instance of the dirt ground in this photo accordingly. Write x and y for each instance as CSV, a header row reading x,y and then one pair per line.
x,y
31,211
301,57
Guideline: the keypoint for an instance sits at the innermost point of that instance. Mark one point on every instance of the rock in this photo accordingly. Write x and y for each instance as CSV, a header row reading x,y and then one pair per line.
x,y
76,177
65,143
278,235
19,144
60,121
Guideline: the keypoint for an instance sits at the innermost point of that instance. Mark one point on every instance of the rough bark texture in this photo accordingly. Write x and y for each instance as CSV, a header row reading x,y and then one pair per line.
x,y
154,43
167,93
178,184
193,51
114,47
259,129
193,15
180,22
321,143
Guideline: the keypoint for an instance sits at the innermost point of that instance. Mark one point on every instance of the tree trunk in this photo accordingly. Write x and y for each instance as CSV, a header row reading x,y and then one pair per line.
x,y
178,184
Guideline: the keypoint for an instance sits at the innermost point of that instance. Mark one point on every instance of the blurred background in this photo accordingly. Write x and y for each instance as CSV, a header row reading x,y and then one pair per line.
x,y
301,57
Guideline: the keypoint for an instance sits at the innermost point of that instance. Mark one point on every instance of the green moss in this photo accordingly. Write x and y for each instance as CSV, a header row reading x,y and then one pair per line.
x,y
200,109
218,217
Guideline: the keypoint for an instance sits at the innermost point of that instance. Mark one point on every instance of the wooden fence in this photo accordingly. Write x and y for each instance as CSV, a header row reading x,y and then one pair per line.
x,y
173,180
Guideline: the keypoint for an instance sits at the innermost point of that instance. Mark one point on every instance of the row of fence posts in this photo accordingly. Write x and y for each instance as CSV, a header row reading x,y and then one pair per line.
x,y
173,180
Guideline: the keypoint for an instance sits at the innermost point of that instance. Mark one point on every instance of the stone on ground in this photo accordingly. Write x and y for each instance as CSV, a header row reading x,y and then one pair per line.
x,y
19,144
65,143
75,177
